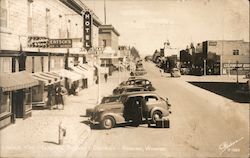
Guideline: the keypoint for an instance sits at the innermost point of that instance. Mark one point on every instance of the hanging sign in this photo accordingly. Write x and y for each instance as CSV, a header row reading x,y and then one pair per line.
x,y
87,26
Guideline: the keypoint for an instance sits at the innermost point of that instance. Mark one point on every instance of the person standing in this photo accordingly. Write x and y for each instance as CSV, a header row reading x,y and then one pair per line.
x,y
106,77
146,111
137,112
59,96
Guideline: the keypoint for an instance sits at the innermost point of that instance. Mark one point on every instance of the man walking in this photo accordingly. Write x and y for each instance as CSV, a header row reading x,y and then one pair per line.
x,y
106,77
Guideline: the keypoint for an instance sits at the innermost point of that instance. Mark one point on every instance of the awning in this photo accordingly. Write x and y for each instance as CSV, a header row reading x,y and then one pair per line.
x,y
16,81
71,75
47,77
79,70
86,66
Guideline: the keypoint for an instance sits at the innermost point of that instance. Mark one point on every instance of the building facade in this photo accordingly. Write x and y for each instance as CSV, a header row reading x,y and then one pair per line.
x,y
228,54
26,28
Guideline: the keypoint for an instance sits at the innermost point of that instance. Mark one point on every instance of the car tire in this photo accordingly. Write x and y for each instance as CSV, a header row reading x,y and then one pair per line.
x,y
156,115
108,122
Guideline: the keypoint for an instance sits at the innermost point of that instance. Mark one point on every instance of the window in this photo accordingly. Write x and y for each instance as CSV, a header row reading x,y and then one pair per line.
x,y
151,99
27,99
5,101
104,43
3,13
236,52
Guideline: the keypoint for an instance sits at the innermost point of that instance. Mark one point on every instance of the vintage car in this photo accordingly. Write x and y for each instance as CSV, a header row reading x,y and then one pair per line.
x,y
175,72
138,72
141,83
107,115
127,89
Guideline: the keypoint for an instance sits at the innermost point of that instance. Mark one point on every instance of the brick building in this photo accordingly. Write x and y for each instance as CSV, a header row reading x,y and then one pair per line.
x,y
25,20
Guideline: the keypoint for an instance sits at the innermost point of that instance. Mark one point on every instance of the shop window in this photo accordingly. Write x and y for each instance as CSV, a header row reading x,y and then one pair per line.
x,y
5,103
27,99
3,13
236,52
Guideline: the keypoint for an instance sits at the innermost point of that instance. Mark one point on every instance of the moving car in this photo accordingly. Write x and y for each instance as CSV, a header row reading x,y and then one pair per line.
x,y
175,72
138,72
107,115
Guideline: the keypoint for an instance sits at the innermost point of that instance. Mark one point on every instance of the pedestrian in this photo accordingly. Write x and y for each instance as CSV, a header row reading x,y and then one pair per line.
x,y
161,71
59,96
106,77
136,112
146,112
51,96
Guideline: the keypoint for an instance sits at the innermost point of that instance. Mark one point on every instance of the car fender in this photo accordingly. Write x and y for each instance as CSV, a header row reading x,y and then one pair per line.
x,y
165,112
117,116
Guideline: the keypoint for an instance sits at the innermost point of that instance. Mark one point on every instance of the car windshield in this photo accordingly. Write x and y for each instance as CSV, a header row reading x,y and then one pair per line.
x,y
110,99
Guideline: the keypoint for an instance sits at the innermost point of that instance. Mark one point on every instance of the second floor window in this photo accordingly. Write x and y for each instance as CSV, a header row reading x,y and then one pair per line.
x,y
236,52
3,13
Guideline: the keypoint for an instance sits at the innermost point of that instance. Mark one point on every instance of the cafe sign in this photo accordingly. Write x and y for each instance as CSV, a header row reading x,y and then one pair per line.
x,y
87,32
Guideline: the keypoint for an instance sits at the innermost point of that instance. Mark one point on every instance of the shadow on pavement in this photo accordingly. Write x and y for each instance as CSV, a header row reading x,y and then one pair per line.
x,y
225,89
51,142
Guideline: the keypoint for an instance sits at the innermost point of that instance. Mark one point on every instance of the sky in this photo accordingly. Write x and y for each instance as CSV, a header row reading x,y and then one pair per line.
x,y
147,24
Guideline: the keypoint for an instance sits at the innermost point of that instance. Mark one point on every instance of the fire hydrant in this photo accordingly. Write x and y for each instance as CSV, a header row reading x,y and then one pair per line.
x,y
62,133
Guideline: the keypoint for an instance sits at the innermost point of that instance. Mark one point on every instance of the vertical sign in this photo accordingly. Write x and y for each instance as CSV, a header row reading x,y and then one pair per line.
x,y
87,25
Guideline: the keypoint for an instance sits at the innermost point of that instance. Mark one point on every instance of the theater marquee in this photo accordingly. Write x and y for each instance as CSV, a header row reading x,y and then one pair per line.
x,y
87,26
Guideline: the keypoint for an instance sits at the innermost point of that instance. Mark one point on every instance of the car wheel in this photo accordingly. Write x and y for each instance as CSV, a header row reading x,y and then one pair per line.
x,y
156,115
108,122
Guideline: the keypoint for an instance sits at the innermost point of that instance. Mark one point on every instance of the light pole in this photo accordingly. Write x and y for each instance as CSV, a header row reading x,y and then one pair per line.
x,y
205,67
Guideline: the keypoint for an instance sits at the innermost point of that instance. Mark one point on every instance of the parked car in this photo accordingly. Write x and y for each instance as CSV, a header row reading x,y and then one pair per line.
x,y
134,77
175,72
107,115
141,83
127,89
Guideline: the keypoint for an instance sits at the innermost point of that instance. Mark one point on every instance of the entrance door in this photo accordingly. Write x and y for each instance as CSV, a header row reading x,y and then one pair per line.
x,y
17,103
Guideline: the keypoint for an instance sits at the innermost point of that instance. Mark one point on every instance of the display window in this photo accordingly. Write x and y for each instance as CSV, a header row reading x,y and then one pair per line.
x,y
27,99
5,103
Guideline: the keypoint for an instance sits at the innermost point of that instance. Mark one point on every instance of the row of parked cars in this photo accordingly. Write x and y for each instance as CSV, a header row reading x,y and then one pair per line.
x,y
114,109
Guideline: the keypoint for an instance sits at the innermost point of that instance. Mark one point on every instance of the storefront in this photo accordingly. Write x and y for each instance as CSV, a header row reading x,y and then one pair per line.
x,y
15,96
82,72
74,80
40,92
88,72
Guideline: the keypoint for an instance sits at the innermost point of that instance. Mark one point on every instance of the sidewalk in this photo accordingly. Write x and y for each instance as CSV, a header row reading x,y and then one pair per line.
x,y
37,136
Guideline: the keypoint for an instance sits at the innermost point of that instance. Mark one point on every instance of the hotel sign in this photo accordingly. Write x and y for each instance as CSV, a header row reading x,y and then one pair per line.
x,y
60,43
87,26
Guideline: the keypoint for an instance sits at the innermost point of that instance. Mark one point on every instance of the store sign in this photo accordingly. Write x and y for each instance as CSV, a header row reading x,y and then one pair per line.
x,y
233,65
87,25
60,43
38,42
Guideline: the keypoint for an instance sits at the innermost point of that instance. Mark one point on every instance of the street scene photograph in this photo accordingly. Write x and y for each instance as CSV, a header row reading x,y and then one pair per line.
x,y
124,79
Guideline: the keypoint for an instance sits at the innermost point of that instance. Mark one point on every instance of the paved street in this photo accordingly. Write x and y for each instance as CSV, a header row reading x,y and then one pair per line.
x,y
202,125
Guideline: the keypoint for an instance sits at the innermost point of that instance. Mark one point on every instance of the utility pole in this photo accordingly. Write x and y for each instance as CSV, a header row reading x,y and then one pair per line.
x,y
105,12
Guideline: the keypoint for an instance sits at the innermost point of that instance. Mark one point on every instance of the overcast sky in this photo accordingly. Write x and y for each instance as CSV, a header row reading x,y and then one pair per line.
x,y
147,24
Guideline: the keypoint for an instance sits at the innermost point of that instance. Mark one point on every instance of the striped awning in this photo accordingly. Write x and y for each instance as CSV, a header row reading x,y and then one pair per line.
x,y
71,75
47,78
79,70
16,81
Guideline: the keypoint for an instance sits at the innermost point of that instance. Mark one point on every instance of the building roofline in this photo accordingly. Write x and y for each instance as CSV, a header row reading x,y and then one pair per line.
x,y
109,27
78,6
